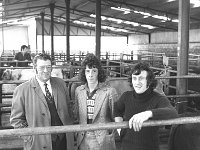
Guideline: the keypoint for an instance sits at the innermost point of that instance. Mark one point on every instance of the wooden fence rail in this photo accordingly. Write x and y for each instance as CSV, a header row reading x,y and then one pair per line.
x,y
91,127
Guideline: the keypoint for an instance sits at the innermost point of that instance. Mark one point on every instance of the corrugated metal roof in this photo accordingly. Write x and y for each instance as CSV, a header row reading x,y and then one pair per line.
x,y
118,16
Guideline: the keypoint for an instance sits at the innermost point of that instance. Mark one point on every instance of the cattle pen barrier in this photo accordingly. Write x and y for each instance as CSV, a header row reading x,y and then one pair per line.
x,y
92,127
9,138
9,95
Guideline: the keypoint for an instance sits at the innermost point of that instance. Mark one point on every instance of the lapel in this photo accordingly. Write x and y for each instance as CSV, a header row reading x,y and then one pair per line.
x,y
100,97
83,104
54,91
38,90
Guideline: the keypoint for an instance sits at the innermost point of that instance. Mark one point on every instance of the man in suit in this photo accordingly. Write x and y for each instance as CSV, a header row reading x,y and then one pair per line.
x,y
42,101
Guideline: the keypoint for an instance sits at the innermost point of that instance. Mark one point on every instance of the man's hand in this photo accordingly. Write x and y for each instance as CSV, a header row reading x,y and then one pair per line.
x,y
137,120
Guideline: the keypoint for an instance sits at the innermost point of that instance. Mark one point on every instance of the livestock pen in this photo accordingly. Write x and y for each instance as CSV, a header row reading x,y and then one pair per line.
x,y
12,141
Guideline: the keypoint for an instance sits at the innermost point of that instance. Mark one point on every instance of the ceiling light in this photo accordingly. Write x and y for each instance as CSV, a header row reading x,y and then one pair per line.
x,y
175,20
145,16
148,26
132,23
115,20
170,0
125,10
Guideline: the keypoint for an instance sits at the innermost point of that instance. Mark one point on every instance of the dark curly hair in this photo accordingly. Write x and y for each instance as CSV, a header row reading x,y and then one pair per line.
x,y
92,62
143,66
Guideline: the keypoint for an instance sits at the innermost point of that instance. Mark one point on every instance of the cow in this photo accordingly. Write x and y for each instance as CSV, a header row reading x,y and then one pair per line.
x,y
26,74
22,75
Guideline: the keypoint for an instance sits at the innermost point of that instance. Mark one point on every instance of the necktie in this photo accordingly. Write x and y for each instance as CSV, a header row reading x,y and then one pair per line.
x,y
48,94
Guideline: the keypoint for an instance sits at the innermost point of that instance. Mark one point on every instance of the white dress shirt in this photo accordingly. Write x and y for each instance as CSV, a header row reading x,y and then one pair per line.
x,y
43,86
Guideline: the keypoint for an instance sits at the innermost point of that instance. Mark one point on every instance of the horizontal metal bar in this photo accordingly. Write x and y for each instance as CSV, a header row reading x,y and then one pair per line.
x,y
92,127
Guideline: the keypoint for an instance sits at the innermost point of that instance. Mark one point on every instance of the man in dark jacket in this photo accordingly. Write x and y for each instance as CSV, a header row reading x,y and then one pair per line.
x,y
23,55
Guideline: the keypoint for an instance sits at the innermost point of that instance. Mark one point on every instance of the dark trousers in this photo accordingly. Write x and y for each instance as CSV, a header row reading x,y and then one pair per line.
x,y
59,144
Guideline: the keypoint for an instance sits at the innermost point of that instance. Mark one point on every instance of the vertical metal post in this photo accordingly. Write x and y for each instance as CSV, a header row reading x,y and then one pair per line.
x,y
67,2
98,28
2,38
52,6
42,16
182,51
1,101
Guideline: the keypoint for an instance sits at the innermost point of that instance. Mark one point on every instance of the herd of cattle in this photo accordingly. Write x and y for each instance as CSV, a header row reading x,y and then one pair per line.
x,y
182,137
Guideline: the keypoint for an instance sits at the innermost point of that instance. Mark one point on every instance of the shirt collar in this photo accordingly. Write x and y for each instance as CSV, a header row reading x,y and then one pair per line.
x,y
87,88
42,83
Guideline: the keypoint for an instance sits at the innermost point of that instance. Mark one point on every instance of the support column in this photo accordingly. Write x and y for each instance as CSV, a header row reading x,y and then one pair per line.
x,y
42,16
98,28
67,2
52,6
183,46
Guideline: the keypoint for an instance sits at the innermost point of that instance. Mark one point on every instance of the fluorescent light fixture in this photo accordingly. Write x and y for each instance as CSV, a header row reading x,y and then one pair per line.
x,y
170,0
142,13
148,26
161,17
121,21
103,27
175,20
125,10
132,23
93,15
145,16
102,17
115,20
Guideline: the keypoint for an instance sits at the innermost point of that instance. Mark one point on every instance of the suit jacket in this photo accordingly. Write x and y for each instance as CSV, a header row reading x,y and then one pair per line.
x,y
30,109
103,113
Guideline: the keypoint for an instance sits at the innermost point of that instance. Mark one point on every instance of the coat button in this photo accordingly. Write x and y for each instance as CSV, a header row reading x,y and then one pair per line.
x,y
43,114
44,147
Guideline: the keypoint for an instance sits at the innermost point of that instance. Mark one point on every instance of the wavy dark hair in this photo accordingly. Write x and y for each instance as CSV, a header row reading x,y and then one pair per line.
x,y
92,62
143,66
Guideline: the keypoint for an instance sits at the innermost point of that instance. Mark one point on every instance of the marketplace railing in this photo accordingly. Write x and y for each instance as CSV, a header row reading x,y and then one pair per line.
x,y
92,127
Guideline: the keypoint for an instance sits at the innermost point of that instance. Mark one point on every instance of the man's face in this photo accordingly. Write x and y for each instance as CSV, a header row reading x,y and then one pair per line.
x,y
24,50
91,74
43,70
140,82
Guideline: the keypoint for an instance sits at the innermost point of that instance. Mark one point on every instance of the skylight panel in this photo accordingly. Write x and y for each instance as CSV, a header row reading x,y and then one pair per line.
x,y
196,3
103,27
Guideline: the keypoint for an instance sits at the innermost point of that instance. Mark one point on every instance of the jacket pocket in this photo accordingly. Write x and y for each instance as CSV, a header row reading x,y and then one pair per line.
x,y
109,142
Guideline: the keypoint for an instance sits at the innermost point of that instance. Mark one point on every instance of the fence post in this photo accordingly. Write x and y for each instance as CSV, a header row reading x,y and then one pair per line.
x,y
131,55
0,103
121,65
107,64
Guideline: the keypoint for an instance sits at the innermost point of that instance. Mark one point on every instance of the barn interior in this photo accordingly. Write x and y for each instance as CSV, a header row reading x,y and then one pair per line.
x,y
164,33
